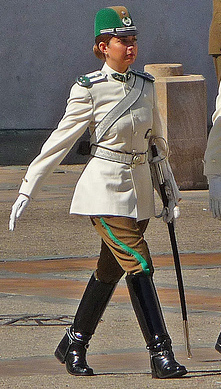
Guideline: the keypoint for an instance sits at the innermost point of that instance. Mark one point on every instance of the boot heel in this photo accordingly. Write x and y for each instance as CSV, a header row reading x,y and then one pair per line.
x,y
218,344
153,369
62,349
59,356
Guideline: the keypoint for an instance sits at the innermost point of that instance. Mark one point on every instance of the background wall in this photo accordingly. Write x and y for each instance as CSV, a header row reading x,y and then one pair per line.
x,y
45,45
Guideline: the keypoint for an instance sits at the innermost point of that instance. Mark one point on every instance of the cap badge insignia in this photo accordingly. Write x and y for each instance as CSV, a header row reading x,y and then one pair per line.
x,y
127,21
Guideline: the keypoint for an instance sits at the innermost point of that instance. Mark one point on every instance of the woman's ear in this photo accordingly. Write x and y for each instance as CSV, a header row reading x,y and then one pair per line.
x,y
102,47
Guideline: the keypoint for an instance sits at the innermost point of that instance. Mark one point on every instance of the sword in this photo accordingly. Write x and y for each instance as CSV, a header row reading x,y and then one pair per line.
x,y
161,181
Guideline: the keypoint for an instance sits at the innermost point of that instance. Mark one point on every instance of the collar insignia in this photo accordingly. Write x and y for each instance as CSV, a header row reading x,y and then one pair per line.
x,y
121,77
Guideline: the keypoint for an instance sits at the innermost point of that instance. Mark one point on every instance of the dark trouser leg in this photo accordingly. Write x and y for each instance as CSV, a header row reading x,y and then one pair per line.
x,y
108,269
72,348
218,344
148,311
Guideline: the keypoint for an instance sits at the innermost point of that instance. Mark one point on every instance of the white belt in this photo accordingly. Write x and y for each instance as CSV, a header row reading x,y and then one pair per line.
x,y
132,159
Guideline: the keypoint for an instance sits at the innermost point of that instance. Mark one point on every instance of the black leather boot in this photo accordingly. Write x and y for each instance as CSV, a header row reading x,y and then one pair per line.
x,y
72,351
163,363
148,311
218,344
72,348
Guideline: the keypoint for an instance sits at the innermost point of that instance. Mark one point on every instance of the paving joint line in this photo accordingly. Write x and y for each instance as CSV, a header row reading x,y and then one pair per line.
x,y
94,256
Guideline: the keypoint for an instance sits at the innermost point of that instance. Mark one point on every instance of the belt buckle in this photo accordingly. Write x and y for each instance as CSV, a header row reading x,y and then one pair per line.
x,y
136,160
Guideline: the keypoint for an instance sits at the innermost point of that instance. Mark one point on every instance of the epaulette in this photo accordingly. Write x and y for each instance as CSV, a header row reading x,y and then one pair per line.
x,y
89,79
145,75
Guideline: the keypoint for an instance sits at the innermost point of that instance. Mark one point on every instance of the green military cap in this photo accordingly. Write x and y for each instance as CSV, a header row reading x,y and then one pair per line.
x,y
114,21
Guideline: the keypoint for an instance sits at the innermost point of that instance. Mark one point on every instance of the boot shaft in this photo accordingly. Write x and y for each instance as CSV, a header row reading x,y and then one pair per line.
x,y
146,306
92,306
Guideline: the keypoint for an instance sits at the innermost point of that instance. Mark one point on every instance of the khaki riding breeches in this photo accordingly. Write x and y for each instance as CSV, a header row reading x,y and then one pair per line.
x,y
123,248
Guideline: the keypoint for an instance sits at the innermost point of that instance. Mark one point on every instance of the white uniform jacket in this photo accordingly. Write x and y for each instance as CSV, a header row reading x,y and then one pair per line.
x,y
105,187
212,157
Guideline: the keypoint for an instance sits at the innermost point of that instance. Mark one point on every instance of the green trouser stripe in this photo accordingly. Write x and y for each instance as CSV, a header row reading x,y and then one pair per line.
x,y
126,248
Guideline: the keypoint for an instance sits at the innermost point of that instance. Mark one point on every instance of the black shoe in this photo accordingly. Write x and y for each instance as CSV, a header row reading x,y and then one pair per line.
x,y
163,363
218,344
72,351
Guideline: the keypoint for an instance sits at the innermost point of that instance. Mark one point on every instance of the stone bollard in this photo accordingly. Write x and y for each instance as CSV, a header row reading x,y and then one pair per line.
x,y
183,107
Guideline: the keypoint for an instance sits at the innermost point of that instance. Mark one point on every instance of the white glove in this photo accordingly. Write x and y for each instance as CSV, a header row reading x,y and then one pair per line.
x,y
172,192
170,214
17,209
215,195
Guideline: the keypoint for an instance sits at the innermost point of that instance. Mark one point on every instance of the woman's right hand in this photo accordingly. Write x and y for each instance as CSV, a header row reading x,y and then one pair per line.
x,y
17,209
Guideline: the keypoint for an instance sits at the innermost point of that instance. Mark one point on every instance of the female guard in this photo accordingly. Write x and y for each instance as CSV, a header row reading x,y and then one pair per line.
x,y
115,189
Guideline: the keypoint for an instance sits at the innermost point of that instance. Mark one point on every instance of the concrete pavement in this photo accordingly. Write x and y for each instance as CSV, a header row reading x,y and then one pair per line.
x,y
44,267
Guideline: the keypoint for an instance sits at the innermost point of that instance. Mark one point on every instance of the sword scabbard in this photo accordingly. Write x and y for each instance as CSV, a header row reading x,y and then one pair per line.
x,y
161,182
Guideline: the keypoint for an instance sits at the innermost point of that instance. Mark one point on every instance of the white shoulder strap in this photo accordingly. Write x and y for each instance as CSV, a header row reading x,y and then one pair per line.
x,y
112,116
